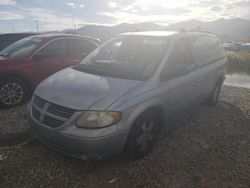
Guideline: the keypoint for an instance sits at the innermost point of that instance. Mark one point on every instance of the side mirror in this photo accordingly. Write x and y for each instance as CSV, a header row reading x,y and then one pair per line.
x,y
173,71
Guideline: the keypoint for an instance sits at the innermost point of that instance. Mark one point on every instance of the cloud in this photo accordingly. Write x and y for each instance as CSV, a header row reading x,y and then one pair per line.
x,y
242,4
216,8
159,11
4,15
166,11
125,17
52,20
73,5
112,4
205,3
114,12
7,2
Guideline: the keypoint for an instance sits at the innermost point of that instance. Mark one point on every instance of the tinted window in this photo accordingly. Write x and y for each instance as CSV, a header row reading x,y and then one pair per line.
x,y
206,49
20,48
54,48
7,39
131,57
77,45
179,62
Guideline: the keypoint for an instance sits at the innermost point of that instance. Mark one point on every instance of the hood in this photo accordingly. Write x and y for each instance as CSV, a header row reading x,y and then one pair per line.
x,y
82,91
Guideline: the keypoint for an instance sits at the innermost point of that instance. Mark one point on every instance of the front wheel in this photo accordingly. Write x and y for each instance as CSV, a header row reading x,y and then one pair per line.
x,y
13,91
142,136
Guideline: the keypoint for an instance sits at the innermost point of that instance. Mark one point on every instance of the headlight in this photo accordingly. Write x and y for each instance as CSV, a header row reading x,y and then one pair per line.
x,y
98,119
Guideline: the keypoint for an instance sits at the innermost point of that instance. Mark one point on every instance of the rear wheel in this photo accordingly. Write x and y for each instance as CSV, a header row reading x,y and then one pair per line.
x,y
214,96
142,136
13,91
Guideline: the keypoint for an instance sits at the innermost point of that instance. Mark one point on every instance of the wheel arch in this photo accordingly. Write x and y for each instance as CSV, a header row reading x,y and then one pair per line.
x,y
136,114
154,105
19,76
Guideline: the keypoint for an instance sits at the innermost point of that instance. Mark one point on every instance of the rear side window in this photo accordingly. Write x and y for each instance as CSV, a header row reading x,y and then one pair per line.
x,y
79,46
54,48
206,49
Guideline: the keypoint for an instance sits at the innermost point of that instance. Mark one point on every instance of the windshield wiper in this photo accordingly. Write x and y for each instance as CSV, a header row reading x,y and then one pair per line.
x,y
105,69
87,68
113,67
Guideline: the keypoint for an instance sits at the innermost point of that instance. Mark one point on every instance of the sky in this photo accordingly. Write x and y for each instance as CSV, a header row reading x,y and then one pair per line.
x,y
21,15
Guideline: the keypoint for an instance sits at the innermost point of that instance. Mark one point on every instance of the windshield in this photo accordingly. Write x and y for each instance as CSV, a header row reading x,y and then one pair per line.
x,y
131,57
20,48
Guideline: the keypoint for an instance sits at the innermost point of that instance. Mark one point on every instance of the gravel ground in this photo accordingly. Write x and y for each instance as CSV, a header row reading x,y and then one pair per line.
x,y
211,148
13,120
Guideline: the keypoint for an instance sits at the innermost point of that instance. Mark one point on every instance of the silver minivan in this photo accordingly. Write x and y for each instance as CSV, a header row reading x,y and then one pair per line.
x,y
118,98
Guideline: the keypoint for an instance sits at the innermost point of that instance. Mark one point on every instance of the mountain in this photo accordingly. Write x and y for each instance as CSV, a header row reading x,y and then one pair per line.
x,y
228,30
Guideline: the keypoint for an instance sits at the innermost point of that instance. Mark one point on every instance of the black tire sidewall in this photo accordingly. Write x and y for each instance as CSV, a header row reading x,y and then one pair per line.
x,y
211,100
26,92
131,147
218,86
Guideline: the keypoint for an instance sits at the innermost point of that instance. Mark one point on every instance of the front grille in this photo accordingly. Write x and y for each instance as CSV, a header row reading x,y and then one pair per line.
x,y
35,113
39,101
50,114
52,122
60,111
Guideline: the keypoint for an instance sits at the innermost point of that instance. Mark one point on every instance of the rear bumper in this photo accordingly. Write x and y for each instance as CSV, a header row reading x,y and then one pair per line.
x,y
80,147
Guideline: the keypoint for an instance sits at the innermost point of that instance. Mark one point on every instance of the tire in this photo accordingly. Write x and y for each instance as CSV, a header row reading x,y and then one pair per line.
x,y
214,96
13,91
142,135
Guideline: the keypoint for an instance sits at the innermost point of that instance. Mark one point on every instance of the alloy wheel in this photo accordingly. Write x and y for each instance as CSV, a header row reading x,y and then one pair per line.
x,y
216,93
11,93
146,137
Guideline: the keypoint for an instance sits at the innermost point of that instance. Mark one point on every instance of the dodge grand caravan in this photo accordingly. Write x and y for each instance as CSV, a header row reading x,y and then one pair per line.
x,y
118,97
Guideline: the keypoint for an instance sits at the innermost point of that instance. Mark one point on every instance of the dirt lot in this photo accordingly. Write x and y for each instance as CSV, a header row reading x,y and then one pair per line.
x,y
210,149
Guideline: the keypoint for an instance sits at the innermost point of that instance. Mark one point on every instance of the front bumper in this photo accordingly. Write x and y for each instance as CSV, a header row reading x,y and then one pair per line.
x,y
88,148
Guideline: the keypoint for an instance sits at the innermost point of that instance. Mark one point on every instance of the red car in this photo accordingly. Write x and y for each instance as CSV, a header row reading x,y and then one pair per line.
x,y
24,64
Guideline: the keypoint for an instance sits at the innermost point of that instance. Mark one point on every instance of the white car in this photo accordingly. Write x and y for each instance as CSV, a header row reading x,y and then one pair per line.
x,y
117,99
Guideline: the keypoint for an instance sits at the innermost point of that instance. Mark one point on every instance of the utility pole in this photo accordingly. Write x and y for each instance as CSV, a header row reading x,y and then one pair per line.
x,y
37,30
73,25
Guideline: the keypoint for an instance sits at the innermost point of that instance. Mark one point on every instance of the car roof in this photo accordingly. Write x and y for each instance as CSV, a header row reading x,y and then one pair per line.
x,y
151,33
18,34
54,36
167,33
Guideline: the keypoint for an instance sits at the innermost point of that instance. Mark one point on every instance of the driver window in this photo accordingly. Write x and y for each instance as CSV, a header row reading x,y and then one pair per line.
x,y
54,49
177,62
